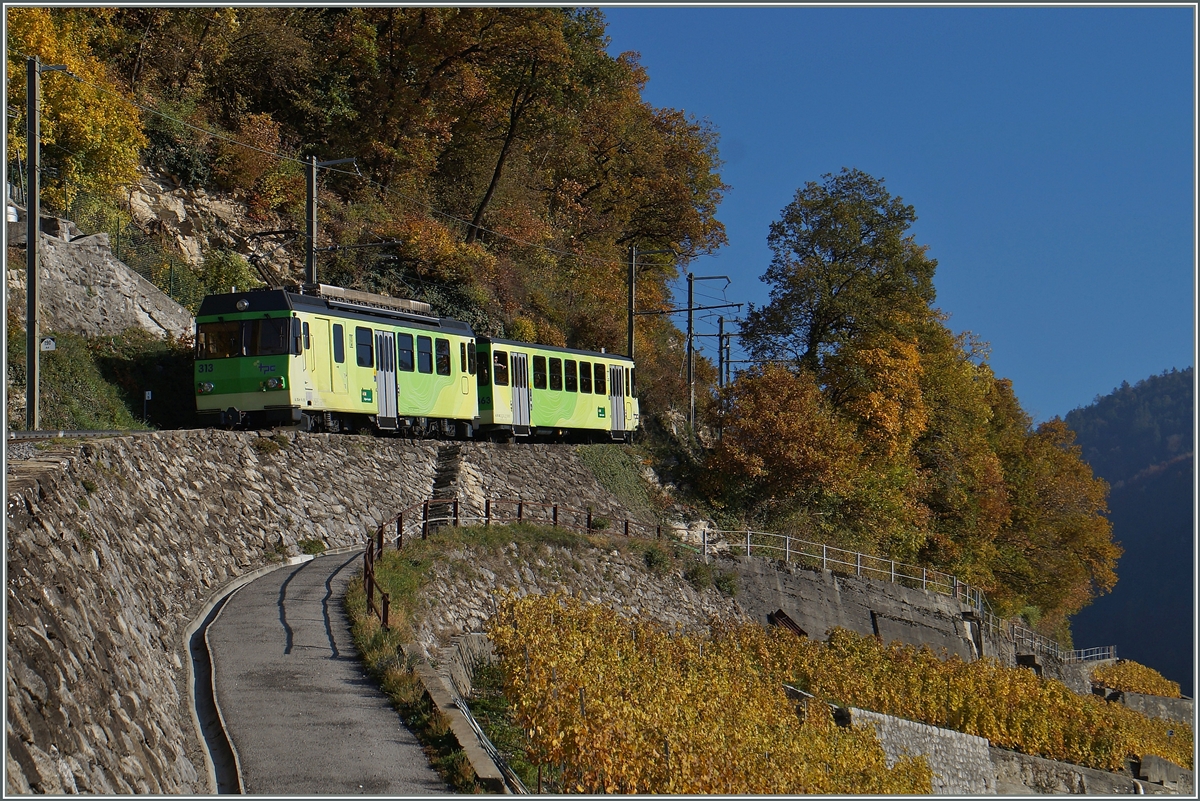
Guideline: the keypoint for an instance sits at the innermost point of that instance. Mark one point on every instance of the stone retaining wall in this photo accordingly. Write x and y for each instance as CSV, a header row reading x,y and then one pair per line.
x,y
114,545
960,762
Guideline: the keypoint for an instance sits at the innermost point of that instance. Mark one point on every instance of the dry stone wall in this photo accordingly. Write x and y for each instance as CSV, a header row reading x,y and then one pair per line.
x,y
960,762
114,545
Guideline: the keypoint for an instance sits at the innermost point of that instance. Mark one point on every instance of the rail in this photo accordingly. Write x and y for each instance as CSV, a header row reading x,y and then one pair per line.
x,y
429,515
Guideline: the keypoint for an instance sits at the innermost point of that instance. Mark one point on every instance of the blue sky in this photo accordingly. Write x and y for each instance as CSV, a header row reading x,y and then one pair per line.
x,y
1049,153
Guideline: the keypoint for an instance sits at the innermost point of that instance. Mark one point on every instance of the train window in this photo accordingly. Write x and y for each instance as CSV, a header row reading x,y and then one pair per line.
x,y
404,345
307,338
442,346
570,377
268,337
462,357
485,375
218,340
633,381
297,337
556,374
339,343
600,379
627,382
539,372
424,355
585,377
500,368
364,347
472,359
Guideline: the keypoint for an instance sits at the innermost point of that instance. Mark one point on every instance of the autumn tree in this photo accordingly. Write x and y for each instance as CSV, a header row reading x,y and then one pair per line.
x,y
780,440
843,267
90,132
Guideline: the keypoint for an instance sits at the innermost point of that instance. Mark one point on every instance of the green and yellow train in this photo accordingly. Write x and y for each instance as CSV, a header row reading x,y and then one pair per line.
x,y
340,360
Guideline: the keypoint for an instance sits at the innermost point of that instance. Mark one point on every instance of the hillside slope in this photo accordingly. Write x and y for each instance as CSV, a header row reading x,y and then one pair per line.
x,y
1139,438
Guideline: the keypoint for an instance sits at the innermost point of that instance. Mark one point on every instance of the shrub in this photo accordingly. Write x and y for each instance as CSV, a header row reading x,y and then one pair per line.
x,y
1131,677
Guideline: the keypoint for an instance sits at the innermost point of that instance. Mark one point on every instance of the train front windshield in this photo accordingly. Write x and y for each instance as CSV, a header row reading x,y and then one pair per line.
x,y
223,340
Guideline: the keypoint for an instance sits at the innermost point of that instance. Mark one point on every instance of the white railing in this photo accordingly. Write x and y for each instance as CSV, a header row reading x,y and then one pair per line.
x,y
840,560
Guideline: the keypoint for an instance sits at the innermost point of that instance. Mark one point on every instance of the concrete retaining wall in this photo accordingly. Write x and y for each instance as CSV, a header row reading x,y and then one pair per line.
x,y
1157,706
818,600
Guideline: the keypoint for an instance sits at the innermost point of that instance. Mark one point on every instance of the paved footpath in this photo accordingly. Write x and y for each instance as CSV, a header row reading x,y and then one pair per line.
x,y
300,709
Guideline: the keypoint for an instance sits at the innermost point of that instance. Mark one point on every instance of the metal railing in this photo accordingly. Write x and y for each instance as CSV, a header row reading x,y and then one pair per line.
x,y
840,560
426,516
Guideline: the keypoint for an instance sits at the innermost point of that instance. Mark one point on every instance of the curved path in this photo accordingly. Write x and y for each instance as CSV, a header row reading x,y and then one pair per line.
x,y
299,708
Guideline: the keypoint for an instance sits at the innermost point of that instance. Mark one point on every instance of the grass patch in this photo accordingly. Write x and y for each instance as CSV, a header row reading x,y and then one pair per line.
x,y
618,469
100,383
311,547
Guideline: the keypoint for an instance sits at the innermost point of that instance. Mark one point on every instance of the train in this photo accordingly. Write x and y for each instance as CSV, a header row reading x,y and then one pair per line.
x,y
324,358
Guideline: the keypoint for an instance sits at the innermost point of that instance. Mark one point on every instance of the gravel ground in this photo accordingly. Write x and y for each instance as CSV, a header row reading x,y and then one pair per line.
x,y
19,451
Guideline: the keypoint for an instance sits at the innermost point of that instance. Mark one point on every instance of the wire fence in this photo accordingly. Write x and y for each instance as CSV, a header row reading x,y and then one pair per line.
x,y
425,517
148,254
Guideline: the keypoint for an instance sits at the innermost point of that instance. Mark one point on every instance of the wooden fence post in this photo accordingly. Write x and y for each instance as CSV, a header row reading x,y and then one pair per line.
x,y
627,527
520,510
554,514
487,512
425,520
399,531
456,512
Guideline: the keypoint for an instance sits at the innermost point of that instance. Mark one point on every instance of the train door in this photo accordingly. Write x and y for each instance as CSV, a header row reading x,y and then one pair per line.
x,y
520,390
385,379
322,366
616,396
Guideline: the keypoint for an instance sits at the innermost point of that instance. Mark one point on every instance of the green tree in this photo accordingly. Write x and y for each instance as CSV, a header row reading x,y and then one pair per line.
x,y
842,267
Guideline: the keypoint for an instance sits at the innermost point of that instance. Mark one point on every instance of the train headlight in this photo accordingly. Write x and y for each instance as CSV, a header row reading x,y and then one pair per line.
x,y
204,387
274,382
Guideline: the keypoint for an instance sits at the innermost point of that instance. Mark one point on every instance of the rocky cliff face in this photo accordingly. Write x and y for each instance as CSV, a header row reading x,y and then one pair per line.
x,y
84,289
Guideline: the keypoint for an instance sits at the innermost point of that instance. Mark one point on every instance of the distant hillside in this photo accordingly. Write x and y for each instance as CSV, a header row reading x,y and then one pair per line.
x,y
1139,438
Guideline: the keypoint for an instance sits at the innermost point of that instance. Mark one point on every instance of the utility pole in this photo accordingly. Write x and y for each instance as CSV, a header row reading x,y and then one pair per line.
x,y
721,352
632,281
33,219
310,221
691,373
33,115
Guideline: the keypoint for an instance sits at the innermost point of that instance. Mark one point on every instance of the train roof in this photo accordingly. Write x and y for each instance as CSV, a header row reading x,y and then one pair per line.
x,y
572,351
344,304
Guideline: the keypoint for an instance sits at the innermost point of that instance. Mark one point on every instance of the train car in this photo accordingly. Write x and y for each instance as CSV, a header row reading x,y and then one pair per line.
x,y
333,360
554,393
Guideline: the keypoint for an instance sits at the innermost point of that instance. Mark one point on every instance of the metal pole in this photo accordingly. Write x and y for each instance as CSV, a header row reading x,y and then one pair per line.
x,y
32,229
690,378
720,351
310,225
632,284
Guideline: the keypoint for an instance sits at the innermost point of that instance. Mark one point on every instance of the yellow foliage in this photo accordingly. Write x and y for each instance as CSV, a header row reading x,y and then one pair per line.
x,y
1131,677
626,707
1011,707
90,131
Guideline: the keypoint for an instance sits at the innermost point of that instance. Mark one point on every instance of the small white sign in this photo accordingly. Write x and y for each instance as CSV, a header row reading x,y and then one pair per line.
x,y
147,394
49,344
